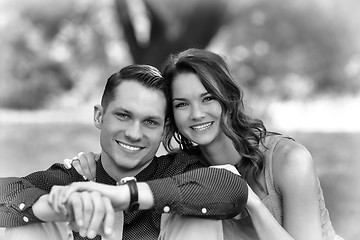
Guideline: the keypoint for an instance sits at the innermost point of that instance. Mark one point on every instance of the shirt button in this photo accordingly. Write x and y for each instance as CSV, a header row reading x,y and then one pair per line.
x,y
166,209
21,206
26,219
204,210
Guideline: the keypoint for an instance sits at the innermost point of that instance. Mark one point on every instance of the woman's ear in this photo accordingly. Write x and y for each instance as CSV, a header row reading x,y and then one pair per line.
x,y
98,114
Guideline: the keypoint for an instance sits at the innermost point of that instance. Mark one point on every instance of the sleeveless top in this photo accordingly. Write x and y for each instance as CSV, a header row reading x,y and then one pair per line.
x,y
243,227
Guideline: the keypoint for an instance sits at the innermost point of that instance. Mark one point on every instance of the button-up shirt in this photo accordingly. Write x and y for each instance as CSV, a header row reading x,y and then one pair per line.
x,y
181,184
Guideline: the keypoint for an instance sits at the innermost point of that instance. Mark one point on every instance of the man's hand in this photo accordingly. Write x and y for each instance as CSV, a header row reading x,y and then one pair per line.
x,y
92,213
89,213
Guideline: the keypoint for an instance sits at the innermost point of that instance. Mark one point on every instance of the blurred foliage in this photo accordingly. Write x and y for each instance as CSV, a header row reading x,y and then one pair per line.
x,y
56,52
61,53
293,49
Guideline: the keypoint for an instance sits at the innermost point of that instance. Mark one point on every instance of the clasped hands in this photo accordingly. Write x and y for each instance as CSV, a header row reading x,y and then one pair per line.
x,y
89,207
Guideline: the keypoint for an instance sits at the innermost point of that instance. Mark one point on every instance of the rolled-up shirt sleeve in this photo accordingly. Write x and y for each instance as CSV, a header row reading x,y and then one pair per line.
x,y
204,192
18,194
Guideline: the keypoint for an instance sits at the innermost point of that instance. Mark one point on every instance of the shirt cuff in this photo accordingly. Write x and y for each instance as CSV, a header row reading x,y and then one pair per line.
x,y
166,195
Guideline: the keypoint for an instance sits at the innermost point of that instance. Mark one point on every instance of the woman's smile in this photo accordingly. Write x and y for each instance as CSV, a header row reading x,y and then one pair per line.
x,y
201,127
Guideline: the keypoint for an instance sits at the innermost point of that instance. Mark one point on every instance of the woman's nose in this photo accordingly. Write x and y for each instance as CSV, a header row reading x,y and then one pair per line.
x,y
197,112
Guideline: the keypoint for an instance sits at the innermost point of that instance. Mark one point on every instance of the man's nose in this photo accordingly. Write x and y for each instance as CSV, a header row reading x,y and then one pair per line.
x,y
134,132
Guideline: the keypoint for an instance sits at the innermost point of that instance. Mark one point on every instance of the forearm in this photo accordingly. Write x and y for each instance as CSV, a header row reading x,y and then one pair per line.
x,y
120,198
43,210
205,192
19,194
266,226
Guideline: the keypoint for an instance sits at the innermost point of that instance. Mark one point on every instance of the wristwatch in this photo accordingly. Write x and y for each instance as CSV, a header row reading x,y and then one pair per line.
x,y
134,195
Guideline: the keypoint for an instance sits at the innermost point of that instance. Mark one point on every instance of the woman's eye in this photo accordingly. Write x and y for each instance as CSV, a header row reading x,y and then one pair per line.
x,y
208,99
180,105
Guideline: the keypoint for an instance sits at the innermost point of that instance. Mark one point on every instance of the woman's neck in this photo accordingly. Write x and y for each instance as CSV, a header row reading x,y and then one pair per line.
x,y
221,151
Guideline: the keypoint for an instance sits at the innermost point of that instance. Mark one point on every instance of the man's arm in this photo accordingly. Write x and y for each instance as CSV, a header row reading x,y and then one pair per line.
x,y
205,193
174,188
188,187
18,195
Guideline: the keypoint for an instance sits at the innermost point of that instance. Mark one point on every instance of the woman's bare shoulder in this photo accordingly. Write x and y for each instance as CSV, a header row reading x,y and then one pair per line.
x,y
292,164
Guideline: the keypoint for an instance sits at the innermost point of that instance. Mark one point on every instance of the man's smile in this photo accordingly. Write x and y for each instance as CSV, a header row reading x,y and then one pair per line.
x,y
129,147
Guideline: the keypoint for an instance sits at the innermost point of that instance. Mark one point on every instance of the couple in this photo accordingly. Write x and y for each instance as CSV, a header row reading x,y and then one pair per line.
x,y
204,106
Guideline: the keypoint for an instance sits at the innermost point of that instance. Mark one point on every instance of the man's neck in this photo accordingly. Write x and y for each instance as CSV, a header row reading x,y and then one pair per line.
x,y
117,172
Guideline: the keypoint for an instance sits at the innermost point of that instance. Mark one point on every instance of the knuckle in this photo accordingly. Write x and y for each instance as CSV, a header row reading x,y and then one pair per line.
x,y
96,195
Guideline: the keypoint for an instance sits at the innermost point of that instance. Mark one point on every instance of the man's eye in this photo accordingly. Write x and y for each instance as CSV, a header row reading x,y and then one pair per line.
x,y
151,123
122,116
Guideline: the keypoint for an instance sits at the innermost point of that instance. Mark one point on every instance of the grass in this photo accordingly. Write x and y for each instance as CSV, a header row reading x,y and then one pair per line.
x,y
29,147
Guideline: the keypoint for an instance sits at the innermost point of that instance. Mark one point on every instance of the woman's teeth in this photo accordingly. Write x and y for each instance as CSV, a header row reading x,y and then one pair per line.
x,y
201,127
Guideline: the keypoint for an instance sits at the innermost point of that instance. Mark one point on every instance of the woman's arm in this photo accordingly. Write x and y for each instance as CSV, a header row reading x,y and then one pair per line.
x,y
295,179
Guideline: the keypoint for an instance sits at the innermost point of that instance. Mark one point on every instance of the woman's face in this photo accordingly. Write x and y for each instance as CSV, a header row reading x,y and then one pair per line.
x,y
197,113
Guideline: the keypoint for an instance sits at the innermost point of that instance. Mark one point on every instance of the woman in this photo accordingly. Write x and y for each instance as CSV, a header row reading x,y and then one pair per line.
x,y
208,118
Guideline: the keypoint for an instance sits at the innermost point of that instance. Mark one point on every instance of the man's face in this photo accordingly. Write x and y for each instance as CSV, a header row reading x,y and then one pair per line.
x,y
132,126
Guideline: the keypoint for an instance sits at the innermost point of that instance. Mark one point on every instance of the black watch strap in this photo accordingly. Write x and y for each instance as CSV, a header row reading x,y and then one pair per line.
x,y
134,195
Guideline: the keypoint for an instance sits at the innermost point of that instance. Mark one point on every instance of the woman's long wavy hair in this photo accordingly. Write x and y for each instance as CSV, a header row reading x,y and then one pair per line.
x,y
245,132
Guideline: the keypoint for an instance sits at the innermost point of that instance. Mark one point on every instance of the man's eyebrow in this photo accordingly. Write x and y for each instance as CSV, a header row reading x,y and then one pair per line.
x,y
123,110
155,117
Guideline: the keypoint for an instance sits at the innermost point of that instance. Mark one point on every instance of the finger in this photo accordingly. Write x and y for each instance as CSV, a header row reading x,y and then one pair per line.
x,y
97,156
72,188
54,200
75,162
67,163
73,226
88,164
98,215
109,216
75,202
89,187
88,209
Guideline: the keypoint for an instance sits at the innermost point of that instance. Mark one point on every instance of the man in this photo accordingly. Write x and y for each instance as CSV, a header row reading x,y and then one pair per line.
x,y
132,119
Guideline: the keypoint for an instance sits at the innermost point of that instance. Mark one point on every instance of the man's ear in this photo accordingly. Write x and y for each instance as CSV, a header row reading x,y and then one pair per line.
x,y
98,115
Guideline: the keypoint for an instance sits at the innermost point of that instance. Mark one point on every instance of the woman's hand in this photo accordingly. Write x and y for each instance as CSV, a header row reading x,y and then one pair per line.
x,y
92,214
88,212
84,163
118,195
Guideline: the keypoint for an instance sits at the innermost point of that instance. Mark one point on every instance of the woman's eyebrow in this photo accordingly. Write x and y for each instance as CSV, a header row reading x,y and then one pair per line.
x,y
183,99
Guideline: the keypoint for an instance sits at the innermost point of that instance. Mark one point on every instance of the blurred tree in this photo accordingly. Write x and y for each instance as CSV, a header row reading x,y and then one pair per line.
x,y
154,29
276,48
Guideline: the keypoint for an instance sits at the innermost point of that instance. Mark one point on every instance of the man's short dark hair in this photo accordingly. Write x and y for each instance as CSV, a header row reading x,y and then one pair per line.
x,y
146,75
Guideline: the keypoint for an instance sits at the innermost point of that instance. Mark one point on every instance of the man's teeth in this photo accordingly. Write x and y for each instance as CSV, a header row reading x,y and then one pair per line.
x,y
129,147
201,127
